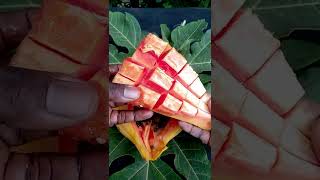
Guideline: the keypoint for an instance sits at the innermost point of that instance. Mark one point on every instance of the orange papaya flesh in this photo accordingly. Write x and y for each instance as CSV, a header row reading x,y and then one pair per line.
x,y
59,24
151,136
169,75
51,46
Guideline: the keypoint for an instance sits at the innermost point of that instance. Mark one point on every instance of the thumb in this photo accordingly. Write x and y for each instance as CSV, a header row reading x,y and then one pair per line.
x,y
40,100
120,93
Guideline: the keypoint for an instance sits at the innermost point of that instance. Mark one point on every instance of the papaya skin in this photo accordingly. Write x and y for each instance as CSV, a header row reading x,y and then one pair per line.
x,y
166,83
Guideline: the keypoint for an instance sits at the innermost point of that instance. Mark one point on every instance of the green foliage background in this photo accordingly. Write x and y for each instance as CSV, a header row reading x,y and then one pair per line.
x,y
193,40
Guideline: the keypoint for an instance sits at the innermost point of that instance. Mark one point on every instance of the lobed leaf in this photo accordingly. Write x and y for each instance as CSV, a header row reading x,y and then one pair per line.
x,y
116,57
191,158
300,54
200,56
155,170
125,30
184,35
119,146
284,17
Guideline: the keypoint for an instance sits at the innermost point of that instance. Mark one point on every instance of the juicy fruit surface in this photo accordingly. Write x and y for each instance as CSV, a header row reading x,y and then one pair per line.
x,y
168,86
166,81
259,105
68,37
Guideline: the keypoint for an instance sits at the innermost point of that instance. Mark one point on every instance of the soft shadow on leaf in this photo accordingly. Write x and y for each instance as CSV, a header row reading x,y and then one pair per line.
x,y
141,169
119,146
283,17
300,54
191,158
125,30
165,32
183,36
116,57
309,79
205,78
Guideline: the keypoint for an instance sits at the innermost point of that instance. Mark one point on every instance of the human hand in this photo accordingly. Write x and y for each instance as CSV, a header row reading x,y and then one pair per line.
x,y
38,102
203,135
120,94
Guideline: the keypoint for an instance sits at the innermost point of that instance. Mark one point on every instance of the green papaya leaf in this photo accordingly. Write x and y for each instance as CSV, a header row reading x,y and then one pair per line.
x,y
165,32
200,56
140,169
309,79
284,17
208,87
116,57
125,30
300,54
205,78
191,159
184,35
12,5
119,145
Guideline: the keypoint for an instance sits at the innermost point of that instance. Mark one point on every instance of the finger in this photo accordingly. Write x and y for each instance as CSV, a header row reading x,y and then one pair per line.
x,y
122,94
119,117
14,26
203,135
113,69
39,100
315,138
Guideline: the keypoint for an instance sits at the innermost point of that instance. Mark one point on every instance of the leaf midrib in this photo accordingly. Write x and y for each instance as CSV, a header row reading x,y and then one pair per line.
x,y
185,158
123,35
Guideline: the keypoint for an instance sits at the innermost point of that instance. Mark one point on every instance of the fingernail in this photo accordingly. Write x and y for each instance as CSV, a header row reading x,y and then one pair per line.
x,y
131,93
71,99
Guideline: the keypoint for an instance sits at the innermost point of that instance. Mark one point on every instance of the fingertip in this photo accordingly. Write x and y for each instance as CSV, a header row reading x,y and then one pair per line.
x,y
185,126
141,115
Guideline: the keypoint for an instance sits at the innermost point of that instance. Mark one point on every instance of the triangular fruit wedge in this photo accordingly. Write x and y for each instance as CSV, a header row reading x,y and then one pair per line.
x,y
169,86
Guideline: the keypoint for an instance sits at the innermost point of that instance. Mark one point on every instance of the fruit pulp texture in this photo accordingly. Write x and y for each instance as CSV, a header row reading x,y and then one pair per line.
x,y
164,77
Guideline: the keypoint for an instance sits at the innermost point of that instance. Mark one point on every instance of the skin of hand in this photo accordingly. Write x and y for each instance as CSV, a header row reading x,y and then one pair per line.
x,y
120,94
203,135
38,102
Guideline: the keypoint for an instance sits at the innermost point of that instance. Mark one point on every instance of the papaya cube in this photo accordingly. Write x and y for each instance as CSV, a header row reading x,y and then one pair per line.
x,y
119,79
131,70
201,115
161,79
153,43
188,109
197,88
203,106
148,98
187,75
175,60
178,90
31,55
147,59
192,99
205,98
72,31
170,105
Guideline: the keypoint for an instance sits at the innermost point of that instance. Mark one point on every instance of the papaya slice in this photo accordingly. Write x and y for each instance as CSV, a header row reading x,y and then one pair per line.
x,y
151,136
69,36
169,75
59,25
